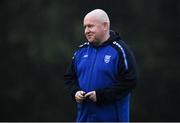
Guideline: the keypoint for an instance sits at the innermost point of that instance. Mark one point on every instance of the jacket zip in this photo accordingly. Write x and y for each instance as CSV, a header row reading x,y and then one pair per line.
x,y
92,67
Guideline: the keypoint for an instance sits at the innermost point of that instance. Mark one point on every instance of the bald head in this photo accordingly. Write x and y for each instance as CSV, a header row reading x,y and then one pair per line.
x,y
100,15
96,26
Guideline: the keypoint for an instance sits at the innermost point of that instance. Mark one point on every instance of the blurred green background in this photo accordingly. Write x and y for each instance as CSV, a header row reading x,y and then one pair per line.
x,y
38,38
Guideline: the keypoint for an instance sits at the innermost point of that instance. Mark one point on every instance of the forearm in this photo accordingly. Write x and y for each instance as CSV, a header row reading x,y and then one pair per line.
x,y
71,80
116,91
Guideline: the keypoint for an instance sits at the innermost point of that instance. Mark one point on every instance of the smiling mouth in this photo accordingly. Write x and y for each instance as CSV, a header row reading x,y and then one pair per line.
x,y
89,35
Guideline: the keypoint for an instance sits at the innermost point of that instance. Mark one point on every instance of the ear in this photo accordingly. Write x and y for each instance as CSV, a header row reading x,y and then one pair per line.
x,y
105,25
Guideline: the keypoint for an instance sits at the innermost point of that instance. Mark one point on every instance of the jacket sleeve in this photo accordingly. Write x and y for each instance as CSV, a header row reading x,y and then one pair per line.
x,y
71,80
126,80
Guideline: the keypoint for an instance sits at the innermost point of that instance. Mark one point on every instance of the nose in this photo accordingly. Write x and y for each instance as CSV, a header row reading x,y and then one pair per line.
x,y
86,30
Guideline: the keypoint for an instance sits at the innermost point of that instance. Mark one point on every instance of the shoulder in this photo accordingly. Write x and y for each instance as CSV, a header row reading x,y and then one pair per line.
x,y
80,48
83,45
125,53
120,46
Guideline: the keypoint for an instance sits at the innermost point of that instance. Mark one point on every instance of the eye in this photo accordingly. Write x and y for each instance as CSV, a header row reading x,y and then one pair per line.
x,y
90,26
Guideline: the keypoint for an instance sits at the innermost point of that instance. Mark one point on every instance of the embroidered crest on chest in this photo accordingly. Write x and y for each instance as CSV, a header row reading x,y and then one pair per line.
x,y
107,58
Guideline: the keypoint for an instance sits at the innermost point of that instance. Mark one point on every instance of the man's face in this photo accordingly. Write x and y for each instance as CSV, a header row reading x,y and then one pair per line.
x,y
94,29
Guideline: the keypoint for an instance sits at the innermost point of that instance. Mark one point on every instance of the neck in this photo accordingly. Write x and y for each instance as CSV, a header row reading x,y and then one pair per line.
x,y
106,37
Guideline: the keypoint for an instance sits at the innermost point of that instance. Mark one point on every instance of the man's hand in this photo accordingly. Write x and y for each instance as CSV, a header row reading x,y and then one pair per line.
x,y
91,95
79,96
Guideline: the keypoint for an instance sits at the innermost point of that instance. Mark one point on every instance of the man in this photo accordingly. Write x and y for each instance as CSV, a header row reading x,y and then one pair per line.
x,y
102,73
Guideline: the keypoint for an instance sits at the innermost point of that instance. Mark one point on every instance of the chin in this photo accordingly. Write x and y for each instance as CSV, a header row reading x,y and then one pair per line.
x,y
90,40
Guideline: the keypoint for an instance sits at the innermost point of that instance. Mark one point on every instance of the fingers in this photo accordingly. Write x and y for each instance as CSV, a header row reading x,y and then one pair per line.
x,y
79,96
88,94
91,95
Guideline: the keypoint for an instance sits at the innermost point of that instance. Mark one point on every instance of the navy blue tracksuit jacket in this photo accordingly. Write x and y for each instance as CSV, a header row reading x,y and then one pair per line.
x,y
110,70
